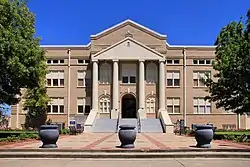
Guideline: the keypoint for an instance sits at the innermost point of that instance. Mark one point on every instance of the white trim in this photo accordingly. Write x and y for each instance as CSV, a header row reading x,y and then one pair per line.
x,y
161,57
65,46
131,22
190,46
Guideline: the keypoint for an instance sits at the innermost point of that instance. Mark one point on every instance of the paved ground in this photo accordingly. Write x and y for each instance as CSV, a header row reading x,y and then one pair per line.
x,y
108,141
197,162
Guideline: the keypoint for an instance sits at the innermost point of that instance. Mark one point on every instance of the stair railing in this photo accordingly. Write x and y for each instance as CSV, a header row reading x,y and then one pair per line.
x,y
117,122
138,121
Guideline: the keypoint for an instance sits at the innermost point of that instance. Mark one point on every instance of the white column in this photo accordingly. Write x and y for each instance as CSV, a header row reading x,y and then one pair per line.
x,y
141,85
162,86
115,92
95,86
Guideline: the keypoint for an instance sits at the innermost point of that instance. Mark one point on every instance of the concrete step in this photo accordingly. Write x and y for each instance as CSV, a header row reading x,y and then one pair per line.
x,y
151,125
123,154
105,125
129,121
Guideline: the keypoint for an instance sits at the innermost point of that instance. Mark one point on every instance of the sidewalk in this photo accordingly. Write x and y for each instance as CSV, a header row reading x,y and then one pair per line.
x,y
108,141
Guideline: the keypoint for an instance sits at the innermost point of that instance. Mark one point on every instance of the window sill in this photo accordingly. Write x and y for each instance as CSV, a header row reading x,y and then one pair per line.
x,y
56,113
81,64
150,84
57,64
104,84
81,86
199,87
54,86
173,86
128,84
175,113
202,113
104,112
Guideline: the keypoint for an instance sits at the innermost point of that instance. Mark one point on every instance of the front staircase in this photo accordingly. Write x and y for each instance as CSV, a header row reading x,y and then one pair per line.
x,y
149,125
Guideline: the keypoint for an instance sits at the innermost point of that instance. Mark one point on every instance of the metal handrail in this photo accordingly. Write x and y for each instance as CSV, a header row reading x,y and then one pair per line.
x,y
138,122
117,122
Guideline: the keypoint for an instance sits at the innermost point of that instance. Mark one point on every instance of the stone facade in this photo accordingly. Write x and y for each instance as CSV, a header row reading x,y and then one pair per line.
x,y
129,63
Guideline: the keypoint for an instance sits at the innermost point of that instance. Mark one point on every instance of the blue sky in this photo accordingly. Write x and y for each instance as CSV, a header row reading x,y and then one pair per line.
x,y
185,22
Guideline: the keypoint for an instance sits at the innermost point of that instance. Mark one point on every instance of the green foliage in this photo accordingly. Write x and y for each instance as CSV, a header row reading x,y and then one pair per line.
x,y
230,88
22,60
19,136
64,131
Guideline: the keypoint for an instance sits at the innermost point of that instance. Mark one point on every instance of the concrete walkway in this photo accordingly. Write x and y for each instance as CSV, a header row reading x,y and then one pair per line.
x,y
110,141
180,162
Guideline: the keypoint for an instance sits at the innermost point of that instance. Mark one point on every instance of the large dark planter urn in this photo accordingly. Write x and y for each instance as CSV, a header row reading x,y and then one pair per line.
x,y
204,135
127,136
49,135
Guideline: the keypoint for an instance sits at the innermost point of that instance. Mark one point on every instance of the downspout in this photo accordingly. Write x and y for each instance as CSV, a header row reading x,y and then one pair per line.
x,y
185,87
69,54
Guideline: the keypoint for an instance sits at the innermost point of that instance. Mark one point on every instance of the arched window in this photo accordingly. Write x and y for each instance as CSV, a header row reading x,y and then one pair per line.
x,y
150,104
151,73
105,104
105,73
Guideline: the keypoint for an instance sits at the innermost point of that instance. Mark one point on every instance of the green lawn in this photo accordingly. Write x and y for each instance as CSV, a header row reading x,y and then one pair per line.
x,y
233,133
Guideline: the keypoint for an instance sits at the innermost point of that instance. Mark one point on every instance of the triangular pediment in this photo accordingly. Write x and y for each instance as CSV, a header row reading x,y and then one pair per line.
x,y
130,23
128,49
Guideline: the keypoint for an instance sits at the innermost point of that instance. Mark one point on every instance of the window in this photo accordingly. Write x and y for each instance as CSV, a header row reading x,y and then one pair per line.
x,y
202,61
201,106
55,61
82,61
173,105
105,105
56,106
151,73
81,78
173,78
80,105
150,105
105,73
55,79
173,61
128,73
198,78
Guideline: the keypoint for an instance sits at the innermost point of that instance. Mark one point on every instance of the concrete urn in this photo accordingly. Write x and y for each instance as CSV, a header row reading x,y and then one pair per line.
x,y
204,135
49,135
127,136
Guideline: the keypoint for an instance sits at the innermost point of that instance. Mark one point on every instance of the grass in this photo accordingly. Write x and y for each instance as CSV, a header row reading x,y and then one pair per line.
x,y
233,133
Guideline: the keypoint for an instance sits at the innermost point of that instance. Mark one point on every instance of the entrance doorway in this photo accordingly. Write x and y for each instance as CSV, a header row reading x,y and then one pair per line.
x,y
128,106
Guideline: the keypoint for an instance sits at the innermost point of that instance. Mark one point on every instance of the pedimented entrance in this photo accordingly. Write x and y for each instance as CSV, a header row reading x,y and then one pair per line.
x,y
128,106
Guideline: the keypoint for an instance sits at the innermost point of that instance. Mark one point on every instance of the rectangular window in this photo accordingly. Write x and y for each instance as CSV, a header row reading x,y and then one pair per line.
x,y
55,79
80,105
201,106
81,75
173,61
202,61
173,78
61,61
83,61
176,61
124,79
56,106
55,61
199,78
48,61
132,79
173,105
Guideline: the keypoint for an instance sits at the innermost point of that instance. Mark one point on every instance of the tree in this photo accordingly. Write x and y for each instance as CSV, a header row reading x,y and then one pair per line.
x,y
21,57
36,104
230,88
23,61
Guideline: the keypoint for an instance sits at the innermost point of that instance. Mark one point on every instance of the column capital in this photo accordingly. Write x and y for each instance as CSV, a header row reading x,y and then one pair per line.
x,y
115,60
141,60
95,60
162,61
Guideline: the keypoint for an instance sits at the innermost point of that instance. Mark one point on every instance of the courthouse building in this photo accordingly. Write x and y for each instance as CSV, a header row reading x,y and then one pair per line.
x,y
131,71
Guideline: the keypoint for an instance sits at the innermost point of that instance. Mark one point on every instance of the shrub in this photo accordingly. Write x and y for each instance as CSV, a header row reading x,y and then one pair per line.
x,y
64,131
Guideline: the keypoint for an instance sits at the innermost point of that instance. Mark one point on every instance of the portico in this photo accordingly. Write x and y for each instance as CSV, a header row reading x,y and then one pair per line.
x,y
133,51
